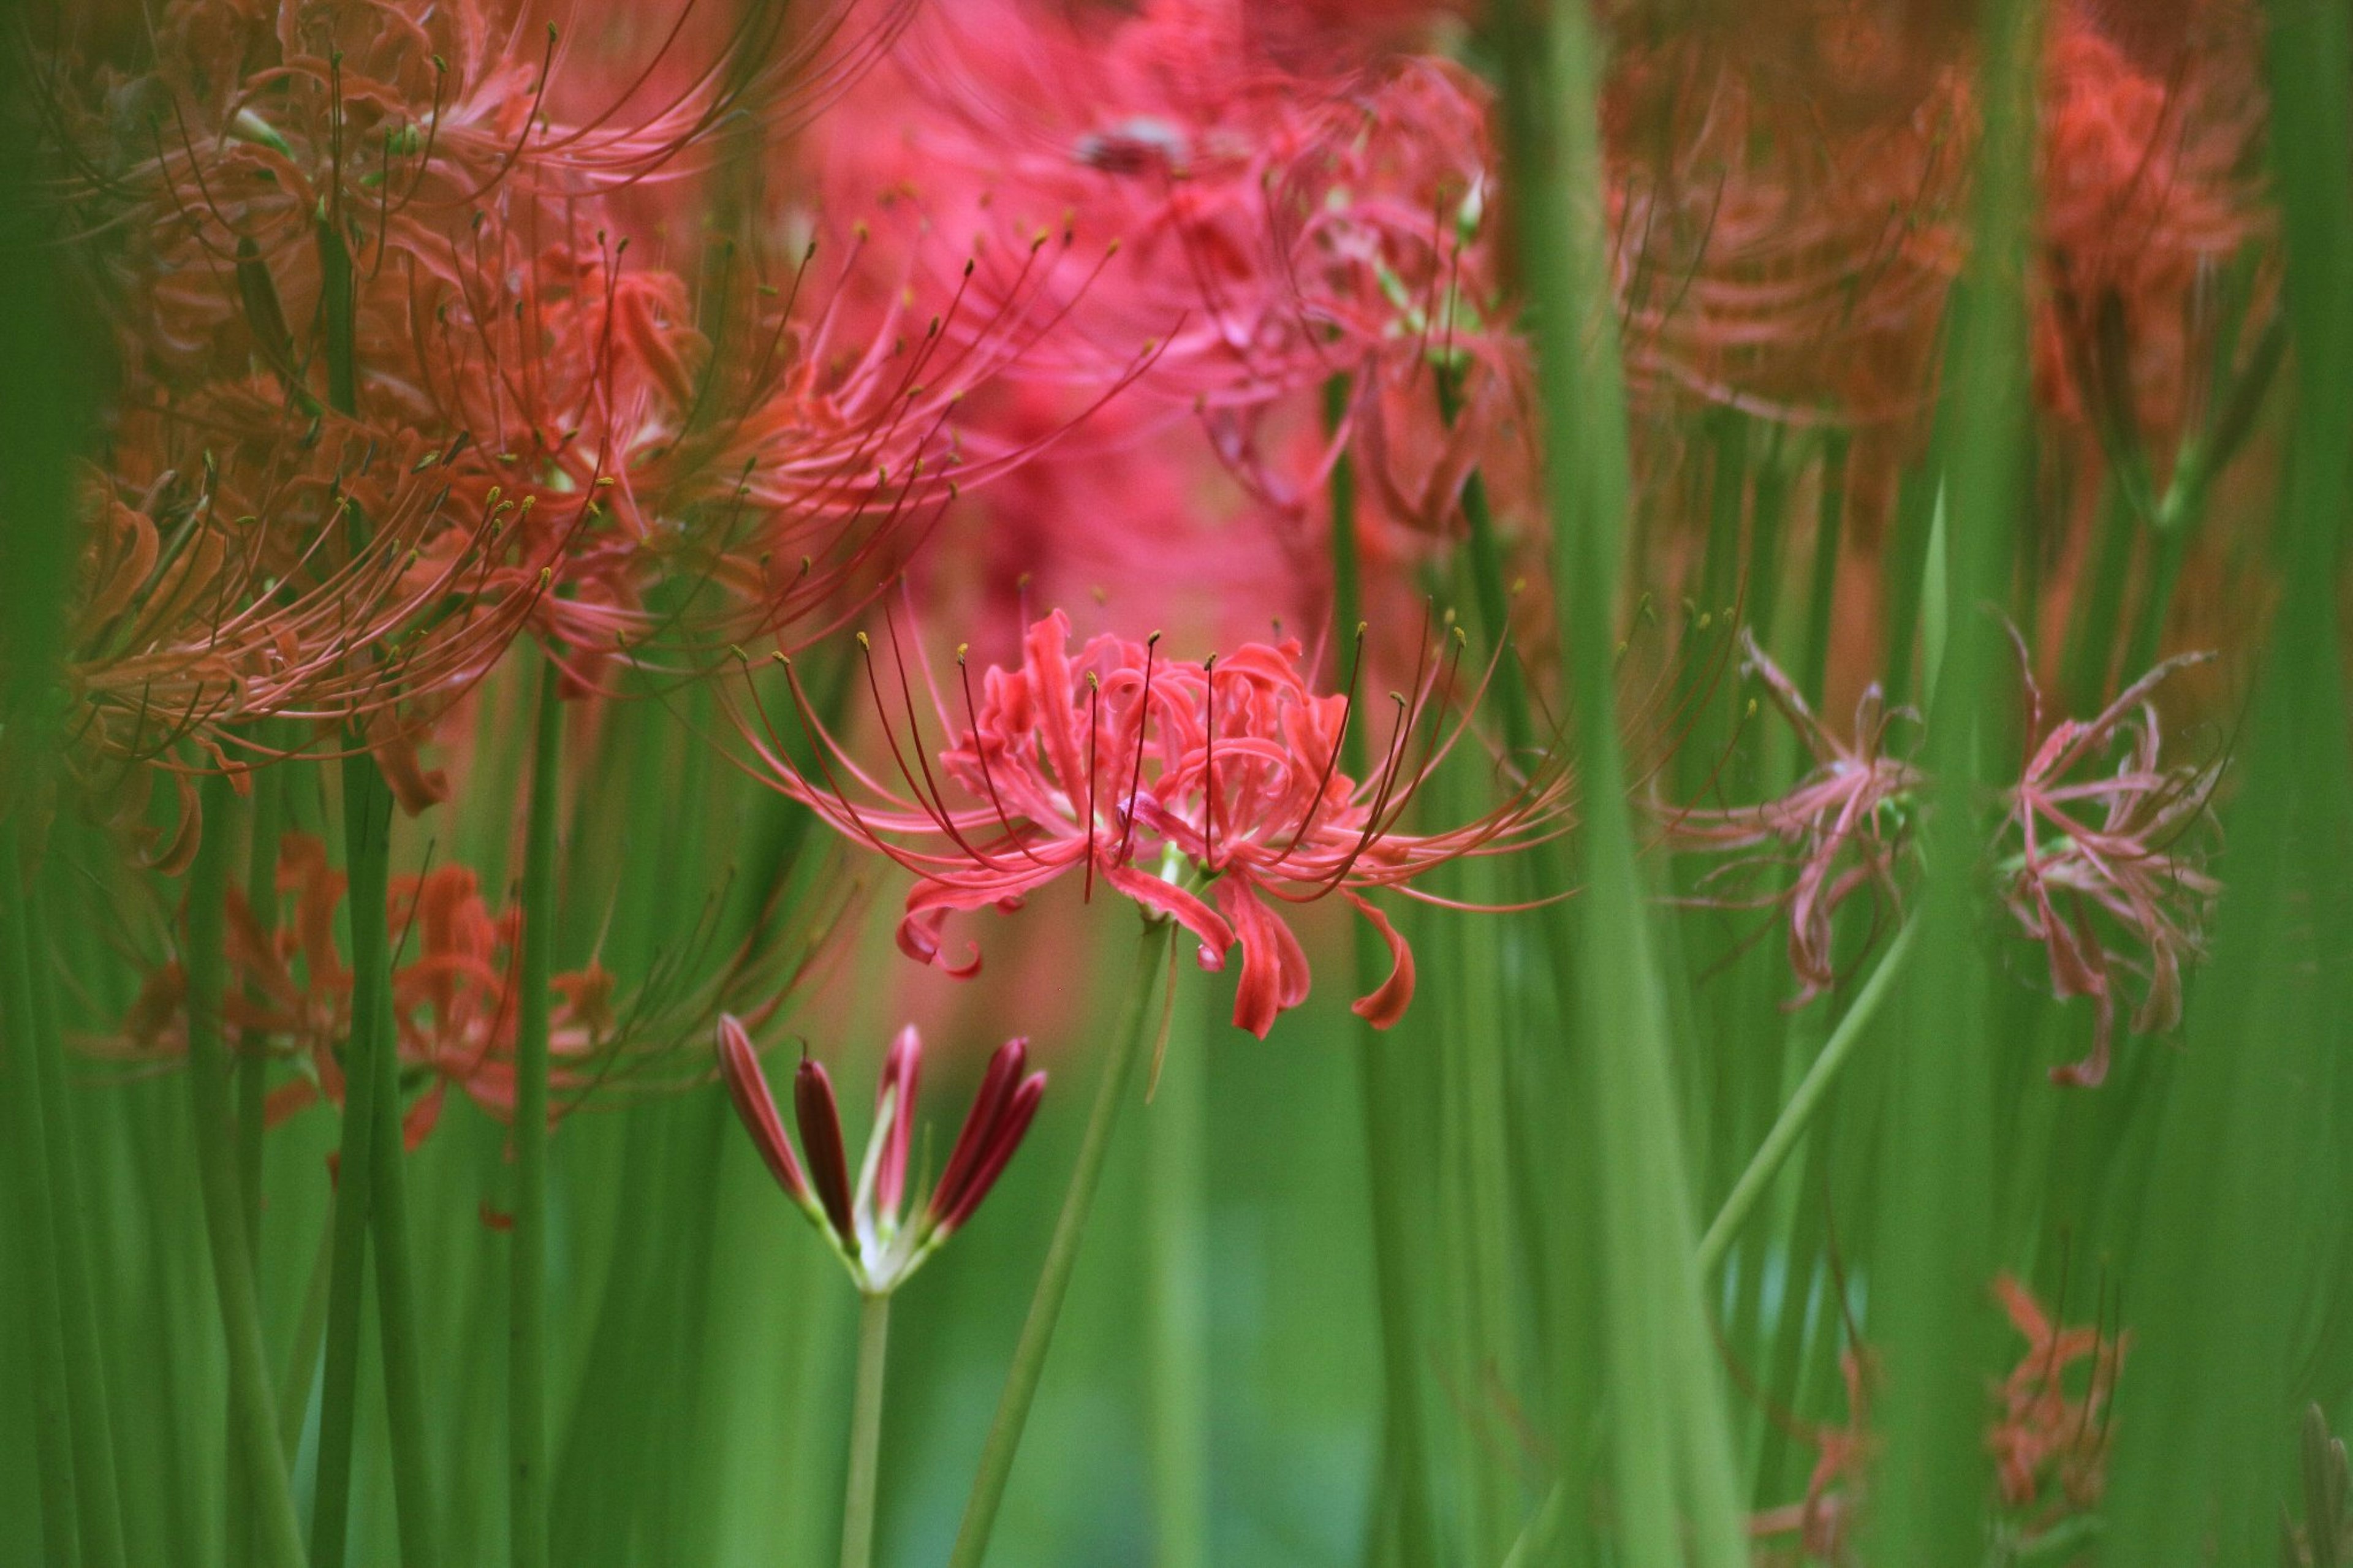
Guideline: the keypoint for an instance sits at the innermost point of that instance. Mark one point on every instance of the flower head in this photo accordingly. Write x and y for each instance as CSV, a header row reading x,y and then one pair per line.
x,y
872,1229
455,998
1825,1519
1844,827
2107,872
1210,793
2045,1433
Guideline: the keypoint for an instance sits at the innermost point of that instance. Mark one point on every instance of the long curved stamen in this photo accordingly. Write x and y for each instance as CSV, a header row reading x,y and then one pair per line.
x,y
1143,727
1339,745
1430,742
922,752
1400,737
815,730
1392,757
1095,695
980,751
897,757
1209,770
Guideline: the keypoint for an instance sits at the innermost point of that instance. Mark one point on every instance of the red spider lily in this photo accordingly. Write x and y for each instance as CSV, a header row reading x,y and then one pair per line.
x,y
262,115
538,431
1825,1521
2149,189
453,997
878,1238
1845,827
2107,872
1781,242
1280,224
2044,1434
287,581
1178,785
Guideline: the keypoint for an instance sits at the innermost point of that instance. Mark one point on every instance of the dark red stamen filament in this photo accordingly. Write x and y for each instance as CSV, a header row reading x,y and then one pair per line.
x,y
1143,724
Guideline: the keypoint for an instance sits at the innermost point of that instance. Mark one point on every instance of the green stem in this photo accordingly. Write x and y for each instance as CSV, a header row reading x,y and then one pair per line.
x,y
1174,1215
364,852
1799,1113
1487,584
403,1397
1404,1484
527,1353
21,1089
1667,1448
372,1202
96,1488
2168,552
1830,518
251,1102
866,1431
301,1370
1347,590
276,1536
2092,642
1061,1254
253,1062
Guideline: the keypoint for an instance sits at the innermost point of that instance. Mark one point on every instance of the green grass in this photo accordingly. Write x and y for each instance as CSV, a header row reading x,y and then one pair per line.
x,y
1562,1270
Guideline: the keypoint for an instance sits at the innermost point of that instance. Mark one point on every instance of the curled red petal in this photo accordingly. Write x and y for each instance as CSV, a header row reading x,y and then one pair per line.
x,y
1274,966
1386,1005
1166,900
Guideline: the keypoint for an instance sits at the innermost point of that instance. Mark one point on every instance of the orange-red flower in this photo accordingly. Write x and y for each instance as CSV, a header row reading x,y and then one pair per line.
x,y
457,965
2047,1437
1209,793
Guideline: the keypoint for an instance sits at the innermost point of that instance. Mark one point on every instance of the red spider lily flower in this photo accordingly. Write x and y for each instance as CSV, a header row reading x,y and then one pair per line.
x,y
1845,827
1784,190
533,432
1825,1521
2045,1433
2107,872
1279,223
878,1235
2150,188
1208,794
454,998
268,601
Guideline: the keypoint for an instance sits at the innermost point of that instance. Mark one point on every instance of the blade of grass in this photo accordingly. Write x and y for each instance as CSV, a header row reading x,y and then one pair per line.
x,y
1402,1496
275,1535
1667,1439
527,1298
53,1434
1929,1319
97,1484
2244,1235
44,402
